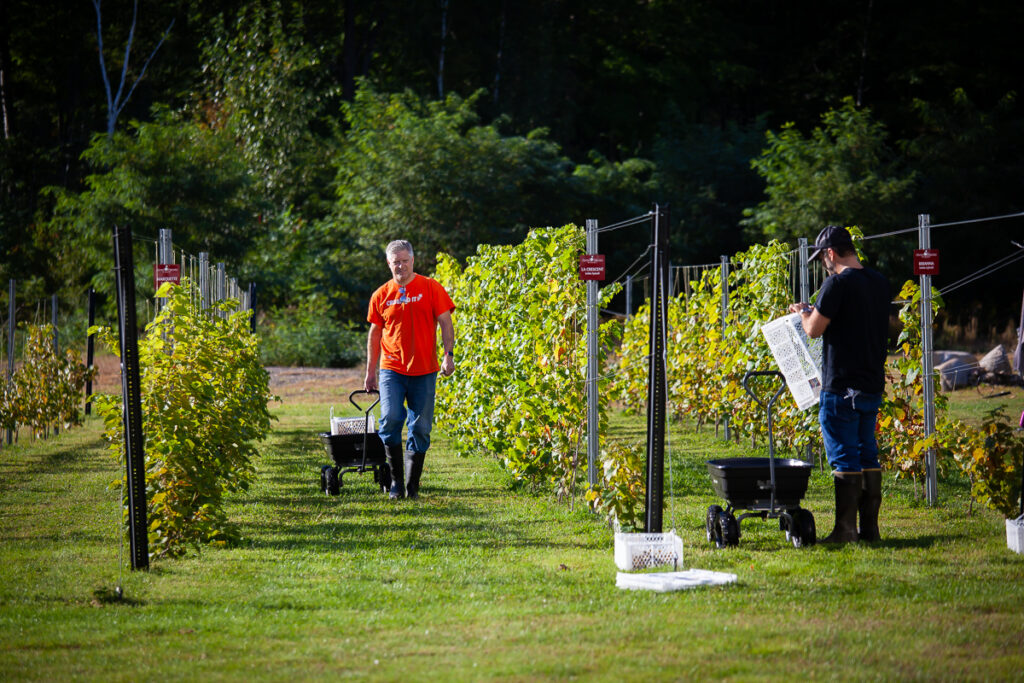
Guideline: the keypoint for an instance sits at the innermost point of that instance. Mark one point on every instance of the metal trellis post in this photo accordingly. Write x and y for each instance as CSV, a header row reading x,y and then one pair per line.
x,y
805,289
56,343
131,393
629,297
10,342
725,322
931,474
656,384
90,350
204,279
593,442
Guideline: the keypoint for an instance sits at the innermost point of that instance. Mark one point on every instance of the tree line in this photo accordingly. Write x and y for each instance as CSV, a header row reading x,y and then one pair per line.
x,y
295,138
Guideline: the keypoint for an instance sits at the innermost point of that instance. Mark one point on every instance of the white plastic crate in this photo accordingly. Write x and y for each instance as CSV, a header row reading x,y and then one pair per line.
x,y
351,425
1015,534
642,551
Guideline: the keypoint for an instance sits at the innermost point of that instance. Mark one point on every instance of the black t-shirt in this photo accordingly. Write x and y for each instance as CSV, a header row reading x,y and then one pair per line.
x,y
856,302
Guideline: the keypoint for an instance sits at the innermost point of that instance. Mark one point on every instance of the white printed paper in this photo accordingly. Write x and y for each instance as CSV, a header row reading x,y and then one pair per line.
x,y
798,358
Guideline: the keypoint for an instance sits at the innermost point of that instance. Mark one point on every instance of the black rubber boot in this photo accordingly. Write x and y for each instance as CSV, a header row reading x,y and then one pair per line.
x,y
394,458
870,502
413,470
848,491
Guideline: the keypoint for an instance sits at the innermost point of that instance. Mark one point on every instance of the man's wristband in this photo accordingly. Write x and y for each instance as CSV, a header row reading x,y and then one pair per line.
x,y
450,353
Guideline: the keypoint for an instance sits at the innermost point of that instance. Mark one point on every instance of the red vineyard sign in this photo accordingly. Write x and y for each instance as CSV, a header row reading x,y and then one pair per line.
x,y
592,266
166,272
926,262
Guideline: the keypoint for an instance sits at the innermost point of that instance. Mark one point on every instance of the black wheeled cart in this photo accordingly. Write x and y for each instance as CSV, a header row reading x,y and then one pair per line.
x,y
356,448
768,488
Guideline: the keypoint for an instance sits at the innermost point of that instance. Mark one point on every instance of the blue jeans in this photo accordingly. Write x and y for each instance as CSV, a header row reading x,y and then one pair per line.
x,y
848,429
397,391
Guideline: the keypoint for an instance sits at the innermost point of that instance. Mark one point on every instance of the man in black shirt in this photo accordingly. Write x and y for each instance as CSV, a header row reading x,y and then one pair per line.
x,y
851,315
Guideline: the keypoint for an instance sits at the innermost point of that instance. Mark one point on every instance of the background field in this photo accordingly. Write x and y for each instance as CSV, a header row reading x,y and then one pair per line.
x,y
476,581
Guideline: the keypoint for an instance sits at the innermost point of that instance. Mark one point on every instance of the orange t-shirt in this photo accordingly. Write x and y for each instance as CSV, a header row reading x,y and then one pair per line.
x,y
408,344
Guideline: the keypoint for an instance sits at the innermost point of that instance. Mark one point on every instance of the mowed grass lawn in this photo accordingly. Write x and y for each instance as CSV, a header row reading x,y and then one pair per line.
x,y
476,581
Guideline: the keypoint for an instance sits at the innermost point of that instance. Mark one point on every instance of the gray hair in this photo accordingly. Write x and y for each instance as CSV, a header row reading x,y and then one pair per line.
x,y
398,245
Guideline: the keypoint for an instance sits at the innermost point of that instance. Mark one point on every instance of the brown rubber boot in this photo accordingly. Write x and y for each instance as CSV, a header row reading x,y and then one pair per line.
x,y
848,491
870,502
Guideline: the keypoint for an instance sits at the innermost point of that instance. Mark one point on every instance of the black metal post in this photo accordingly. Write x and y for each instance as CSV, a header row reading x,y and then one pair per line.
x,y
252,307
10,343
131,393
56,345
90,348
656,389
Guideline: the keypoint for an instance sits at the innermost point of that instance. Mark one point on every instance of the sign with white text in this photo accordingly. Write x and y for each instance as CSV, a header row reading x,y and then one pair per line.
x,y
166,272
926,262
592,266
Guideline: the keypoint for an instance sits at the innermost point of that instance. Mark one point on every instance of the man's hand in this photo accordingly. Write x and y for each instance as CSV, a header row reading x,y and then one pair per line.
x,y
370,382
447,365
813,322
801,308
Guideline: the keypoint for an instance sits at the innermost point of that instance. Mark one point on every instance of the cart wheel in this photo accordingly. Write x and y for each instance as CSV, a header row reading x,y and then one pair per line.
x,y
333,482
323,478
710,520
728,529
806,534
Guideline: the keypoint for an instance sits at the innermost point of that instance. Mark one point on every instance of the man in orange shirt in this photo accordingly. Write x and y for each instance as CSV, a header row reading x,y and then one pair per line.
x,y
404,315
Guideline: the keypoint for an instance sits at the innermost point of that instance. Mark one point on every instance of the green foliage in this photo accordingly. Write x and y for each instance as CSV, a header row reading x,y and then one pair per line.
x,y
308,335
843,172
169,173
991,457
47,389
204,407
264,87
431,171
620,495
520,392
903,444
707,356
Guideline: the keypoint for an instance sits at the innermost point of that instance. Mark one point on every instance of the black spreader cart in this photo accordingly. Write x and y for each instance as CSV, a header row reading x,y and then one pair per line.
x,y
357,448
768,488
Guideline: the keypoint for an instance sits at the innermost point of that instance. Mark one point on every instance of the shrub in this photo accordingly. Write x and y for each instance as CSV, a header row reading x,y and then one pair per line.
x,y
204,405
307,335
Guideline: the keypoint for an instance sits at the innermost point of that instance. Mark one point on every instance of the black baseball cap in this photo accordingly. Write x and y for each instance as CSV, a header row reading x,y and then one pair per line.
x,y
832,237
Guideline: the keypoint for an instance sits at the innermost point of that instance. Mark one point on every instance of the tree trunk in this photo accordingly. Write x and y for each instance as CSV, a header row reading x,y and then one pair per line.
x,y
6,98
349,51
444,38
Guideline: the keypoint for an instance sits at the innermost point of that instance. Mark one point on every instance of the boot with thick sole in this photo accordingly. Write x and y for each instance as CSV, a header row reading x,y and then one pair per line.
x,y
870,502
413,470
394,458
848,492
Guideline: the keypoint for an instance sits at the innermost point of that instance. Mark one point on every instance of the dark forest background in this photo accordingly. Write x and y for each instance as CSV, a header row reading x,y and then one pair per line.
x,y
295,139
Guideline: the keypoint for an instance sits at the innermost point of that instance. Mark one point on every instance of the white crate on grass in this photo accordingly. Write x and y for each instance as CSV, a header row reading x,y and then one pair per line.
x,y
1015,534
643,551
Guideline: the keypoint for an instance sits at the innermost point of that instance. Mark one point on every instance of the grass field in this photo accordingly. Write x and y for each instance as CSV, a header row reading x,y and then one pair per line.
x,y
475,581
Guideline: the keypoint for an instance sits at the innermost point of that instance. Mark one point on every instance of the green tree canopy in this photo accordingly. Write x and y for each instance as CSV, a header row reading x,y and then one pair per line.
x,y
842,173
170,173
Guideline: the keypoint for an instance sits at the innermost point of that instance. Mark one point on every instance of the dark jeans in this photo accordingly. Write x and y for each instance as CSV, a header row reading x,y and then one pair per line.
x,y
398,391
848,429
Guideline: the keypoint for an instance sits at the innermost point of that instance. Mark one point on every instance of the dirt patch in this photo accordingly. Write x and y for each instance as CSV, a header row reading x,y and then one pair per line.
x,y
301,384
314,384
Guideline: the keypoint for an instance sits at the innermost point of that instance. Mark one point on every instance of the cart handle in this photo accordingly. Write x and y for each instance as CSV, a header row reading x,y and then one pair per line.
x,y
362,391
764,373
351,399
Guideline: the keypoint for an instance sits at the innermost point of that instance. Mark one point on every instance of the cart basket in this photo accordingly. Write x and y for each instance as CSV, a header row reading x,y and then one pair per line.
x,y
746,482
